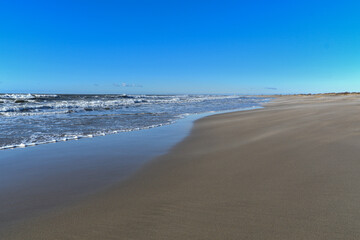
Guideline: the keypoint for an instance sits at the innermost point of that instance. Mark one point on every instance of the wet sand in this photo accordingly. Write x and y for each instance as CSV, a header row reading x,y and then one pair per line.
x,y
288,171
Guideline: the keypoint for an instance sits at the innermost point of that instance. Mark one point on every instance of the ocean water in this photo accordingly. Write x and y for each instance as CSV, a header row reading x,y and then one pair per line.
x,y
32,119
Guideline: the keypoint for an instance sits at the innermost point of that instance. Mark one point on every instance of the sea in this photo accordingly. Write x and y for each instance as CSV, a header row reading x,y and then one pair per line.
x,y
33,119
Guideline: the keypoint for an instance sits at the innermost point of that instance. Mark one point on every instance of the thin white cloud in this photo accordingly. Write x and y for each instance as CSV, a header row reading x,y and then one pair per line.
x,y
130,85
126,85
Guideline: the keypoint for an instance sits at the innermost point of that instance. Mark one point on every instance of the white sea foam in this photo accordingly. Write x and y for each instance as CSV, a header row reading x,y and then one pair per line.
x,y
16,96
26,96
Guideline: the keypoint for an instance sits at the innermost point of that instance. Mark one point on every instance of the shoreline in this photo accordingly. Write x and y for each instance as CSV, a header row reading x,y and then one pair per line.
x,y
79,137
45,119
287,171
115,159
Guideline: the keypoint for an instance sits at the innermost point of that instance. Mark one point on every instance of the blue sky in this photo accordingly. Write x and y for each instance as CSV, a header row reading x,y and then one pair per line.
x,y
246,47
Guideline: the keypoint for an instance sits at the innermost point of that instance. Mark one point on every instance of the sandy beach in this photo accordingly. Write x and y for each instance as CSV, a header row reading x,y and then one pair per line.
x,y
288,171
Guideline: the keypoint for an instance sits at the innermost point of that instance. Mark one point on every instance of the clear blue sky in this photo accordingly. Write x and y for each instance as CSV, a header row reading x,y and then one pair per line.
x,y
183,46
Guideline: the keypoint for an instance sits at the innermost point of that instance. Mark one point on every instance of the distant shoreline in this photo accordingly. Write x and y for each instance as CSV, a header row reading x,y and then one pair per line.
x,y
313,94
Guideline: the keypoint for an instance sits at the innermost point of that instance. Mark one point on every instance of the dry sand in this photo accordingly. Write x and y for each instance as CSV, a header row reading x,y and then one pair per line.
x,y
288,171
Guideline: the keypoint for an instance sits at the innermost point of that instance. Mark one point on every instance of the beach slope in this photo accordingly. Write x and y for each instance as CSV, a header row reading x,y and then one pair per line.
x,y
288,171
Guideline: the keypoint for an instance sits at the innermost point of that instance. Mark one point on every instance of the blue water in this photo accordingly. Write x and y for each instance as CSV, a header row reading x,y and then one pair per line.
x,y
32,119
